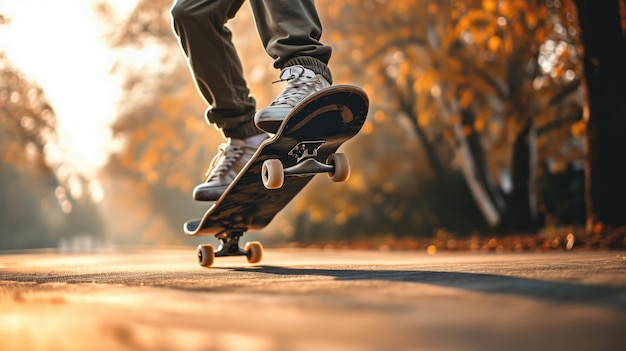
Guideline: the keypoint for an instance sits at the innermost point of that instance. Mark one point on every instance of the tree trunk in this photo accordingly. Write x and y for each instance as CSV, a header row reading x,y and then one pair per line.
x,y
431,153
521,212
482,165
605,71
469,166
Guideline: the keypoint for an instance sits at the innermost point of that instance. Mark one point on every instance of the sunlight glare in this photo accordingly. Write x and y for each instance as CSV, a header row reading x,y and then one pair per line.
x,y
60,46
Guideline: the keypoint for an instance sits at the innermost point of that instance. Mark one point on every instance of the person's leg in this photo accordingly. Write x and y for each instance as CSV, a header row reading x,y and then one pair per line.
x,y
214,63
217,71
290,31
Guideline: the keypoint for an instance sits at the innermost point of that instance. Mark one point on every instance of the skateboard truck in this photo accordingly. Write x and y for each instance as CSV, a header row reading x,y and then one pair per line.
x,y
305,153
306,149
230,243
337,165
230,247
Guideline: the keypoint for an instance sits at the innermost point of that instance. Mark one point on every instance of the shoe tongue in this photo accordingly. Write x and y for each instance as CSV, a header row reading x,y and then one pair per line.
x,y
236,142
256,140
293,72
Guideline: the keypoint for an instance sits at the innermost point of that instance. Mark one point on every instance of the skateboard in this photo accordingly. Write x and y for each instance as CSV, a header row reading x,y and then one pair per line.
x,y
304,145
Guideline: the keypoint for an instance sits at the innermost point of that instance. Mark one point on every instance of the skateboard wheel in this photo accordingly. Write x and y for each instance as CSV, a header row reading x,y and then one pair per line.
x,y
273,174
254,252
341,171
206,255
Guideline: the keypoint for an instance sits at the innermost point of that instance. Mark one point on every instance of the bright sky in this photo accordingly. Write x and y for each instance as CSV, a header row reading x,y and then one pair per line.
x,y
59,44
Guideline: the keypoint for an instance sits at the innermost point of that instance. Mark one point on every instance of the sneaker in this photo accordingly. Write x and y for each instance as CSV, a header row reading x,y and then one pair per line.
x,y
301,82
225,166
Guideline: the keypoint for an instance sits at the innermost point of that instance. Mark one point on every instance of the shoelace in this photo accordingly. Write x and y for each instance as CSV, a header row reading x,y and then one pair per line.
x,y
223,161
298,87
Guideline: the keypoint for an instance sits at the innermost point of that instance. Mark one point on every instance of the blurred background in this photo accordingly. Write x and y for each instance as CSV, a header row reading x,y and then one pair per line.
x,y
476,122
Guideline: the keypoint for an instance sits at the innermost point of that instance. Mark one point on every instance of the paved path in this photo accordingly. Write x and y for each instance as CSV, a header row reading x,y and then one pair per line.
x,y
313,300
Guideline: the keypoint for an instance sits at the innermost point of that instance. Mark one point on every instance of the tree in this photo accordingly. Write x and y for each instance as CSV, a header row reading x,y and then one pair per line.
x,y
464,94
603,26
472,77
36,209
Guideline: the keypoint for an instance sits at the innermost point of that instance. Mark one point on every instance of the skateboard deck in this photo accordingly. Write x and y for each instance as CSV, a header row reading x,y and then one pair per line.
x,y
310,134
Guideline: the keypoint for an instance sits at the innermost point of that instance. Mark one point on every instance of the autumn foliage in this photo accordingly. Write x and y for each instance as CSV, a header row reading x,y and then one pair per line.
x,y
476,122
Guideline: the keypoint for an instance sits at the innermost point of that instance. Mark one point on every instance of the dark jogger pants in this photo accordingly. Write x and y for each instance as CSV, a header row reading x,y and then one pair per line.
x,y
289,29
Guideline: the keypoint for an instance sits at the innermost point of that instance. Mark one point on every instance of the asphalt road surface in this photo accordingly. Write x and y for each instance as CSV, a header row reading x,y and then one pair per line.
x,y
313,300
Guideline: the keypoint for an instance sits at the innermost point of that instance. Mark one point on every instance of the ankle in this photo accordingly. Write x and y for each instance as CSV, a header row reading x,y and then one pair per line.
x,y
242,131
313,64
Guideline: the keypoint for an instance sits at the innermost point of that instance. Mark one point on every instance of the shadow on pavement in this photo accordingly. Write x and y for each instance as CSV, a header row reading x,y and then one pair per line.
x,y
554,291
606,296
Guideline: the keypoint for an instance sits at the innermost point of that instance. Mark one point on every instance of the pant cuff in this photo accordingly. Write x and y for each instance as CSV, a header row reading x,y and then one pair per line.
x,y
242,131
311,63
